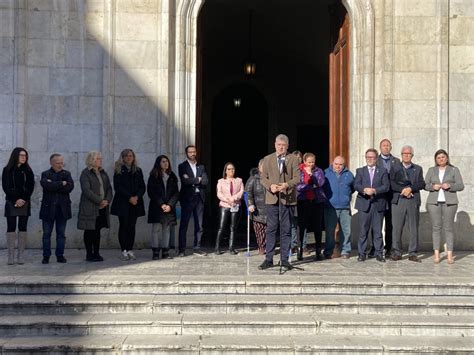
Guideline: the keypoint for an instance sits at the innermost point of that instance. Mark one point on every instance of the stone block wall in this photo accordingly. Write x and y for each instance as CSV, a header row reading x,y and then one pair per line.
x,y
111,74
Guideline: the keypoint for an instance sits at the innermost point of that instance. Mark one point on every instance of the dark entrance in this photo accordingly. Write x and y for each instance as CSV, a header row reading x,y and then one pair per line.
x,y
291,42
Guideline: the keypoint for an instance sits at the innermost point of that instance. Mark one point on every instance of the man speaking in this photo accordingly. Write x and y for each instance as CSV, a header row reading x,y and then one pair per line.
x,y
280,175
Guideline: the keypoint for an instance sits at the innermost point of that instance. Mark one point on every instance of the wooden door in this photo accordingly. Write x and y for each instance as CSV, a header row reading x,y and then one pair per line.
x,y
339,72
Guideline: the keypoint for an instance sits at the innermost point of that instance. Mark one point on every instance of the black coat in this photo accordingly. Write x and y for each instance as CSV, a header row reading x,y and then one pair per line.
x,y
56,194
256,196
18,183
158,197
399,179
128,184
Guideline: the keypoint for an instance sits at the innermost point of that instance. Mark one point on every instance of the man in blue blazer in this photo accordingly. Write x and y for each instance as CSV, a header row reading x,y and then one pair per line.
x,y
192,195
371,183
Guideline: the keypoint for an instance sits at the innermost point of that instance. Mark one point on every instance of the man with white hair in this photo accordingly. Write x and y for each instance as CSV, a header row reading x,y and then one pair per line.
x,y
280,174
406,182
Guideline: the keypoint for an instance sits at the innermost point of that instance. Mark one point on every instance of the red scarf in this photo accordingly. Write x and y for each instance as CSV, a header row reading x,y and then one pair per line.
x,y
309,194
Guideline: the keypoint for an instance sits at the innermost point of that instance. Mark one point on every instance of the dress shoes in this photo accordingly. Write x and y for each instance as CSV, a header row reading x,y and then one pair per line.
x,y
45,260
233,251
217,252
318,257
265,265
361,258
414,258
396,257
61,259
380,258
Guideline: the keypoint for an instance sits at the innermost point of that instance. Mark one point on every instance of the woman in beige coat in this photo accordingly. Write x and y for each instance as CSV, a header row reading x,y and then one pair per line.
x,y
443,181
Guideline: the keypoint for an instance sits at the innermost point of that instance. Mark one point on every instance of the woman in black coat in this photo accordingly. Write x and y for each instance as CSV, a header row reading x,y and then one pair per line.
x,y
164,193
256,201
128,203
18,183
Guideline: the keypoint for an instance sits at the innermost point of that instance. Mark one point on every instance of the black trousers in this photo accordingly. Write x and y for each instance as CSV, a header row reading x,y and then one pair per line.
x,y
92,236
224,216
310,215
22,224
126,231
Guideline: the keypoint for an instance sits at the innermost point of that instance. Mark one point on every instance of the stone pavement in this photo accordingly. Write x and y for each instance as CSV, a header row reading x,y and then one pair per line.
x,y
224,304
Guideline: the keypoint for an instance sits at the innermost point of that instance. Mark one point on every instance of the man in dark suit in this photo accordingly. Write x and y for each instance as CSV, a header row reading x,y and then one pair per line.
x,y
279,176
406,181
371,183
386,160
193,187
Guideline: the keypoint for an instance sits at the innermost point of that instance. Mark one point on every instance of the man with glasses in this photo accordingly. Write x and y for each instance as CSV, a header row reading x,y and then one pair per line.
x,y
371,183
407,182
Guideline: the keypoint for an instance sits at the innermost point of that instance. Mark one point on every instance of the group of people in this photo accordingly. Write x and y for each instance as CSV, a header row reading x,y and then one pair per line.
x,y
388,192
288,195
98,201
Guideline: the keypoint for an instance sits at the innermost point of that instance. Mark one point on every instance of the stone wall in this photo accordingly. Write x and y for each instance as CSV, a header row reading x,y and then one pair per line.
x,y
109,74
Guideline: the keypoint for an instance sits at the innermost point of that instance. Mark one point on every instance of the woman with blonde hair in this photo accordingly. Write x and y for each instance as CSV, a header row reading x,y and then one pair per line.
x,y
443,181
128,200
94,211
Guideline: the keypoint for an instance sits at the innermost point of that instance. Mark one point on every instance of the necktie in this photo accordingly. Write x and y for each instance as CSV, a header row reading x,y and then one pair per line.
x,y
231,188
281,160
371,173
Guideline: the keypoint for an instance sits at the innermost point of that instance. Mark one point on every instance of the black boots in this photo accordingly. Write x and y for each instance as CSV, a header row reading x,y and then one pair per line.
x,y
156,253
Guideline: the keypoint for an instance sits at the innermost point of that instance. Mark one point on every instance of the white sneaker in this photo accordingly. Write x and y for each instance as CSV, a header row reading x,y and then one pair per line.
x,y
125,256
131,256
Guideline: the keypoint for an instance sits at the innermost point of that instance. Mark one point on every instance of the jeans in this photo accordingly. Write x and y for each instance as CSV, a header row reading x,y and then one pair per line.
x,y
332,217
60,235
161,234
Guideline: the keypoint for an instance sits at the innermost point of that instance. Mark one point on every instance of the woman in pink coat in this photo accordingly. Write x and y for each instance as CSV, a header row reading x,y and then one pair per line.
x,y
229,192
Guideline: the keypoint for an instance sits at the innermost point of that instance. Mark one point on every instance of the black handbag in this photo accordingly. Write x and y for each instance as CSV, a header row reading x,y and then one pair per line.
x,y
12,211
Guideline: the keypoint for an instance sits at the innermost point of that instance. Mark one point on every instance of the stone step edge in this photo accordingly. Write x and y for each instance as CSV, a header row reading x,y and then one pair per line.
x,y
259,343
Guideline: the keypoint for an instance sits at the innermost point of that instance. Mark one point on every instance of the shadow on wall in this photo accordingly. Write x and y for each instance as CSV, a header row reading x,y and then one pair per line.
x,y
82,98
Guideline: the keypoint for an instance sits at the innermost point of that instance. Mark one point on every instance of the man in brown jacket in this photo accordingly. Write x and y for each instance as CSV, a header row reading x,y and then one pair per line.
x,y
279,176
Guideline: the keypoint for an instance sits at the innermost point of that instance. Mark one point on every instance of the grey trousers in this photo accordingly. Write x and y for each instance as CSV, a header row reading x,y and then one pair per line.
x,y
442,218
161,235
404,212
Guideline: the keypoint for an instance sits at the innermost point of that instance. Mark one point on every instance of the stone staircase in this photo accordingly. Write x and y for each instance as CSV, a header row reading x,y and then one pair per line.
x,y
135,311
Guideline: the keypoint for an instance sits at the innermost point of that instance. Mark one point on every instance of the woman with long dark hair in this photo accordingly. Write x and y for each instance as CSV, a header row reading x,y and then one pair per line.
x,y
229,192
164,194
128,203
18,183
443,181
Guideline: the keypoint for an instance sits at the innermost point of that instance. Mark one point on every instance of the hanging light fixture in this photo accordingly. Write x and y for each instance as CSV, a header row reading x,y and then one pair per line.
x,y
250,67
237,102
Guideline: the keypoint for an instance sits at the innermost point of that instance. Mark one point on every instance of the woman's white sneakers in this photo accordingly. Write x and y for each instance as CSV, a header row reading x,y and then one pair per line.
x,y
131,256
125,256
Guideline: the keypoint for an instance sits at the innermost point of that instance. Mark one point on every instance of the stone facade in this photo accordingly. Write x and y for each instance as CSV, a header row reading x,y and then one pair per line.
x,y
111,74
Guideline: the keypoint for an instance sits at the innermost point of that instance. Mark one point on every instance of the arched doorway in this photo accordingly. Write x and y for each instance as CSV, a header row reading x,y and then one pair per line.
x,y
293,47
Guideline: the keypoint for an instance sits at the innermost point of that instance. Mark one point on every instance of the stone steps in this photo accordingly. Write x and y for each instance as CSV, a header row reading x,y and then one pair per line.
x,y
273,284
254,344
236,324
235,303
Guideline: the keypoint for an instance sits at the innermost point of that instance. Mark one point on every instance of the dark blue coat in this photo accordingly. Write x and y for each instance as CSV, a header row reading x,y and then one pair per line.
x,y
56,194
191,182
381,184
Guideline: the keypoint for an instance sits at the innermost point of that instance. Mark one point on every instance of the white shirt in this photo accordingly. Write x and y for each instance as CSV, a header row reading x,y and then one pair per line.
x,y
441,197
194,169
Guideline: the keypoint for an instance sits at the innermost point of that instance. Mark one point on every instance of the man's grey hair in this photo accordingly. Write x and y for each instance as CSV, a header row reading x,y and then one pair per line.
x,y
407,147
282,137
